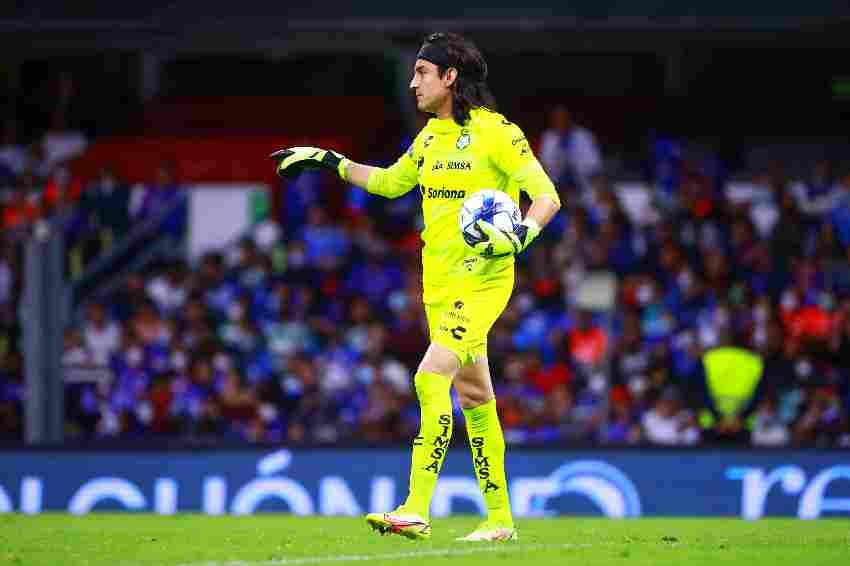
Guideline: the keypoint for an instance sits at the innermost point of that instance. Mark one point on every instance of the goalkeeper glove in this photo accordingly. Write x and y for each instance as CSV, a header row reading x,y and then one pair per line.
x,y
293,160
500,243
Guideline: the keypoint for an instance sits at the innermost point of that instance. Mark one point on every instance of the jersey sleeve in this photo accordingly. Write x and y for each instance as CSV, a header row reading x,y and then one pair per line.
x,y
397,179
513,156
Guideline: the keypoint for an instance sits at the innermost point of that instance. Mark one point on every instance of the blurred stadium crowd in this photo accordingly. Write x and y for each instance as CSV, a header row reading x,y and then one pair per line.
x,y
309,328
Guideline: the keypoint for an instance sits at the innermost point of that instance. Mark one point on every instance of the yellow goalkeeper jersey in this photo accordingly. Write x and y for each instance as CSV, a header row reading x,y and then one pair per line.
x,y
449,163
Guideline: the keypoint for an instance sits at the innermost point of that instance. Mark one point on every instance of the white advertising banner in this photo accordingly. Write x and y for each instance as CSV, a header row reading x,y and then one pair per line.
x,y
219,214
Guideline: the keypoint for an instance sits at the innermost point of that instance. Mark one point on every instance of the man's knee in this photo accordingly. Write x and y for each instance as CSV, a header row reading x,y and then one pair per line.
x,y
441,360
473,384
472,394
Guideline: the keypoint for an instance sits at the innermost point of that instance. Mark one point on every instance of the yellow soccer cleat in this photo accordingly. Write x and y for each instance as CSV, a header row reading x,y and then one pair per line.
x,y
488,532
400,522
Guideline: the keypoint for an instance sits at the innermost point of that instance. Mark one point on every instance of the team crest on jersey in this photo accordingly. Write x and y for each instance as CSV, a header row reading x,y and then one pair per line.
x,y
464,140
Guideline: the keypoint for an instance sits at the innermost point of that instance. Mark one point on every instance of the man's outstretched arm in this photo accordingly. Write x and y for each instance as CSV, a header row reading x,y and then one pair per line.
x,y
389,182
359,174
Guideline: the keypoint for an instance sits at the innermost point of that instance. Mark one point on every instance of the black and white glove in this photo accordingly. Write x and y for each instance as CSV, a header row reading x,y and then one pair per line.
x,y
293,160
499,243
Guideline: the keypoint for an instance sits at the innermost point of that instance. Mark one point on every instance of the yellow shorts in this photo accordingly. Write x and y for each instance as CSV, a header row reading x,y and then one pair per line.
x,y
460,316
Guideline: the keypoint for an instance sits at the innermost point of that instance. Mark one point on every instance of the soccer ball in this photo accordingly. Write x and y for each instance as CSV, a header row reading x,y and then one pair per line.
x,y
496,207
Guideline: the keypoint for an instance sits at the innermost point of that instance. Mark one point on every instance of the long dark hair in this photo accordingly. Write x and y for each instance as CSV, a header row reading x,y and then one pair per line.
x,y
470,88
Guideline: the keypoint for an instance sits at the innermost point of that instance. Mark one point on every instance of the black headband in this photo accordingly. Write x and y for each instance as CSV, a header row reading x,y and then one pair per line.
x,y
438,55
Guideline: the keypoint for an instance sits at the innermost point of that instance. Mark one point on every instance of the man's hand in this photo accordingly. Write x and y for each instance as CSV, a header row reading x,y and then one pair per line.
x,y
499,243
293,160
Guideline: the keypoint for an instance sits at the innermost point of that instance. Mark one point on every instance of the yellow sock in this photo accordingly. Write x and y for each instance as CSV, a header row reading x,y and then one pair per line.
x,y
432,442
488,458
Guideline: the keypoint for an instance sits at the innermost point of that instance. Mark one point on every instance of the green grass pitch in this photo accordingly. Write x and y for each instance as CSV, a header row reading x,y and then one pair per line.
x,y
269,540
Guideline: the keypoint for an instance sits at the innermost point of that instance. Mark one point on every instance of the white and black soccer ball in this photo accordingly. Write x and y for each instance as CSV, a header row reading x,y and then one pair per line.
x,y
495,207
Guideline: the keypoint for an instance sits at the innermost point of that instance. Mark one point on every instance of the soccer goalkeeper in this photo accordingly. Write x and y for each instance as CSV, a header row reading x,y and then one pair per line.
x,y
464,148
